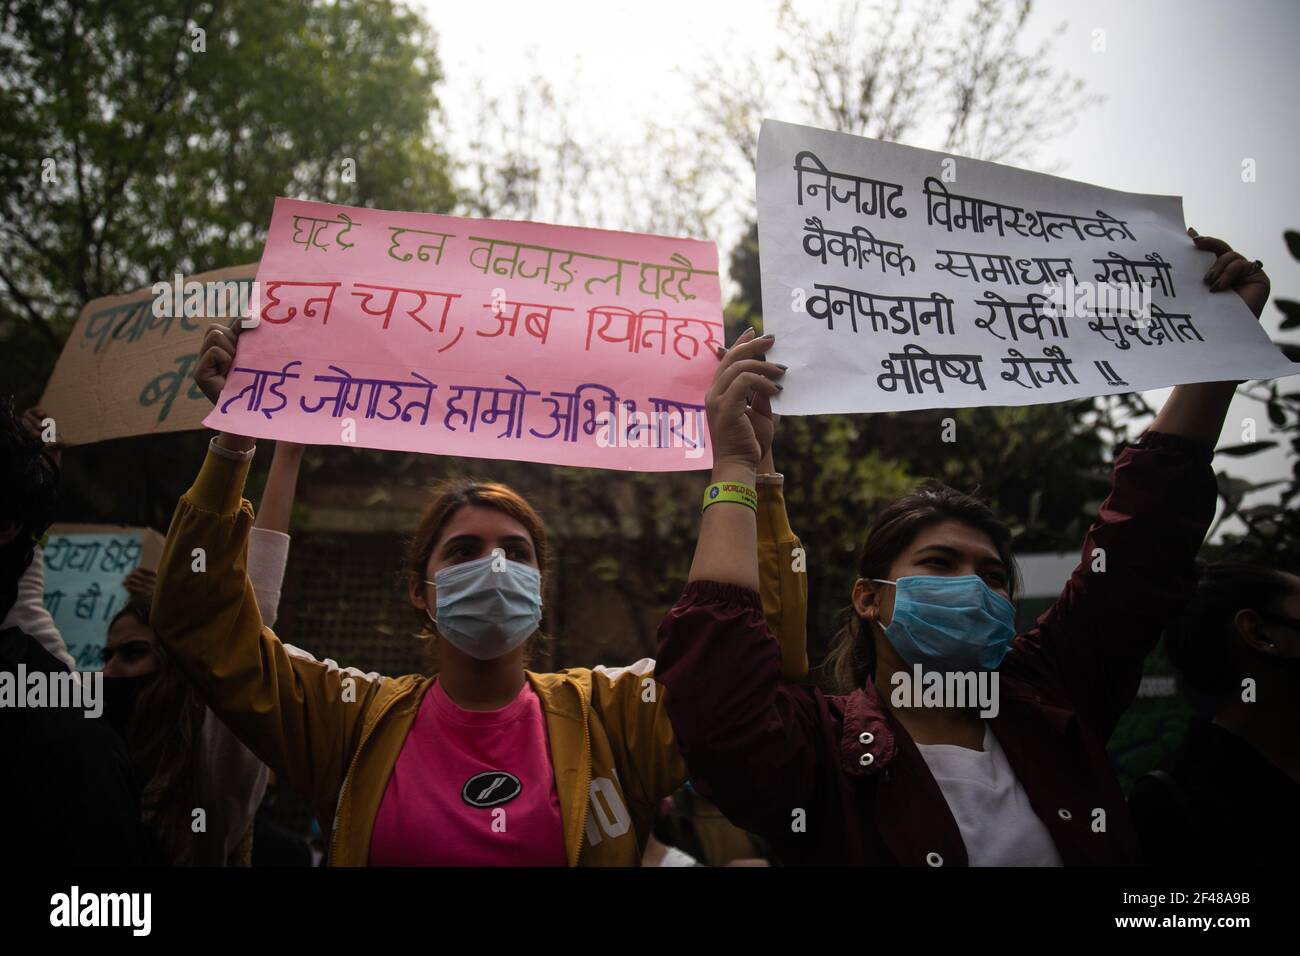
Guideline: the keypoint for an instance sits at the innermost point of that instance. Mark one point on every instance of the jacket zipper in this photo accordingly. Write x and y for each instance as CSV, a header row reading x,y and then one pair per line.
x,y
343,789
586,786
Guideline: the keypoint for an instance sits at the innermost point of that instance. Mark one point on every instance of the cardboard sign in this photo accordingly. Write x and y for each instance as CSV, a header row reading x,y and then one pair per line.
x,y
84,569
127,367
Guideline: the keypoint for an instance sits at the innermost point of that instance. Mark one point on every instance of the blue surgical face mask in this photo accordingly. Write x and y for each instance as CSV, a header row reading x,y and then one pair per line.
x,y
488,607
950,624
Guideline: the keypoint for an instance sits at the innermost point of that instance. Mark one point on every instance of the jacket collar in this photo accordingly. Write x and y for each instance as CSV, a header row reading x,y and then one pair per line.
x,y
559,694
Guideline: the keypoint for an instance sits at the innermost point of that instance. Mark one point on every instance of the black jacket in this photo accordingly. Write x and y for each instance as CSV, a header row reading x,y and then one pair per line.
x,y
1216,802
68,796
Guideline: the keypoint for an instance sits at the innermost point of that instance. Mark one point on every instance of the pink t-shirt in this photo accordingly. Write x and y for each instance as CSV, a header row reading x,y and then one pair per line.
x,y
472,788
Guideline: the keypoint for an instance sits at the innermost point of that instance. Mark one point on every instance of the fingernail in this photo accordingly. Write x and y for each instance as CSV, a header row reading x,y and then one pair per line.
x,y
1209,278
779,387
781,367
1191,232
768,336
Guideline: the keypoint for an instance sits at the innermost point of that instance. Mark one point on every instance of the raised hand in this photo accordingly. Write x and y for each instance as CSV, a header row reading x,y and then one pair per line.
x,y
216,357
741,422
140,584
1232,270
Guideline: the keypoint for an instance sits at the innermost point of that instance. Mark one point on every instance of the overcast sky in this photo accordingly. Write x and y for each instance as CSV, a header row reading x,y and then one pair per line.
x,y
1192,89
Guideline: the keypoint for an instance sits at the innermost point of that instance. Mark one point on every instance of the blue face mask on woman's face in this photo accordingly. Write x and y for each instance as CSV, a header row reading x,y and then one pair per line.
x,y
950,624
488,607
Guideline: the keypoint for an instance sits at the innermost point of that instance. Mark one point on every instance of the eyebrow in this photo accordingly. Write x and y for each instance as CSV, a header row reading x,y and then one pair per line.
x,y
476,539
950,551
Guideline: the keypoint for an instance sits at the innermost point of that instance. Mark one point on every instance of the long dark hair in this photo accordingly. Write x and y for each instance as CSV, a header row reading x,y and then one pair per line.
x,y
163,738
1199,640
852,658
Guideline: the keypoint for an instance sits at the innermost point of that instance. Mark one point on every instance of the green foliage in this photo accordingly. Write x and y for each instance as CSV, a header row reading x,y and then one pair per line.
x,y
1150,730
127,154
1272,530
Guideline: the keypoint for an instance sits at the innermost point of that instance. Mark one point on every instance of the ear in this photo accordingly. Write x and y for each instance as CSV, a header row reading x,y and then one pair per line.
x,y
1249,628
864,599
8,531
416,590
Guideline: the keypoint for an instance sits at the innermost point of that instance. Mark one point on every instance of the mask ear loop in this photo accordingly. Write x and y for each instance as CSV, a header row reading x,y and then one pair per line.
x,y
429,614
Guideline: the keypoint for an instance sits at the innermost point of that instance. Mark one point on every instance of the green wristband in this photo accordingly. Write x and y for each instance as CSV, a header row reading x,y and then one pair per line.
x,y
736,491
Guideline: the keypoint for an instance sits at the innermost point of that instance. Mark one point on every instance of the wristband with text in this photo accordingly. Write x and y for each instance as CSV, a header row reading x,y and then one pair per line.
x,y
736,491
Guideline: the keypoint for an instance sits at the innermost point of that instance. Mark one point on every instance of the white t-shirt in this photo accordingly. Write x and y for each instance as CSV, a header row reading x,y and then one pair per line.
x,y
997,823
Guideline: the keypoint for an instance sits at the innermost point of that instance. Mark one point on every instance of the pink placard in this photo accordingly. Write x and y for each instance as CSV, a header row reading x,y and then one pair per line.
x,y
478,338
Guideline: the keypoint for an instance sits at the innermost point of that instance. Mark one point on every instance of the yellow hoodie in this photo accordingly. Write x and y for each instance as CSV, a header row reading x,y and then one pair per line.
x,y
334,734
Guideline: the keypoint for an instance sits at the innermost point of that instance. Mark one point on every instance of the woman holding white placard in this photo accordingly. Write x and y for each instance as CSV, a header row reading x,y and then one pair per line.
x,y
896,773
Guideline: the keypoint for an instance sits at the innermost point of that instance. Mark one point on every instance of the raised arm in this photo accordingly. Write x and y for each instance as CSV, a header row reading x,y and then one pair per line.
x,y
276,506
1136,570
726,551
30,615
750,744
302,717
29,612
268,545
782,581
632,706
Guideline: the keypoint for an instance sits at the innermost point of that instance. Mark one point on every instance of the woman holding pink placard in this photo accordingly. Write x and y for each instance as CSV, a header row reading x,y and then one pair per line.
x,y
483,763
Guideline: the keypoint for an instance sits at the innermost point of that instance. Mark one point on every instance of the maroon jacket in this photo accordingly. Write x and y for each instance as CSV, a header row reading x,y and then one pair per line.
x,y
839,780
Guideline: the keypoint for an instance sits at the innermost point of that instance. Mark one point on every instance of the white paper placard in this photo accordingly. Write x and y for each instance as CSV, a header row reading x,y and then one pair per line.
x,y
898,278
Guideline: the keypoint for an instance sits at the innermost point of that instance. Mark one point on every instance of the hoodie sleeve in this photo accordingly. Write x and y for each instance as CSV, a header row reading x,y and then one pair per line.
x,y
1136,572
783,583
629,699
751,744
302,717
30,616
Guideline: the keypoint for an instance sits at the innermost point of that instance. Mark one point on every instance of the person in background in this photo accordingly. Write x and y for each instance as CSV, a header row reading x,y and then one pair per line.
x,y
1228,795
183,758
68,793
427,770
274,843
187,760
28,612
870,779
